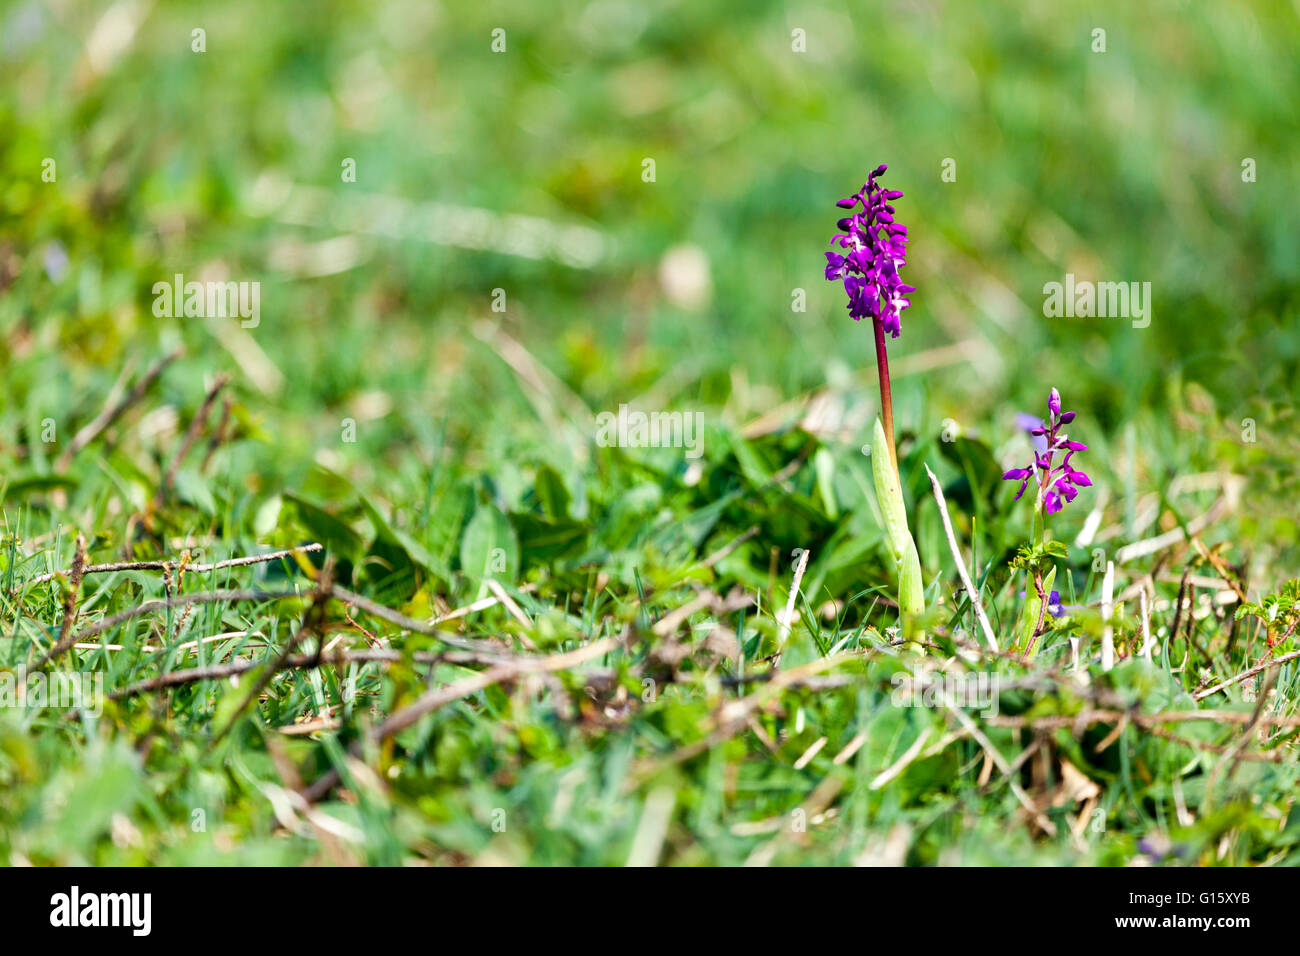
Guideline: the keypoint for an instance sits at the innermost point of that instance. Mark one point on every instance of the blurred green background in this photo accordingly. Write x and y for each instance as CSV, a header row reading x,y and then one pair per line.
x,y
1122,165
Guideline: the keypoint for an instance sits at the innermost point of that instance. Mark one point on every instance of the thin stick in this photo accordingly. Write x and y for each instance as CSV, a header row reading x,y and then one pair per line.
x,y
184,600
1001,763
1232,758
1140,549
899,765
439,697
218,433
1276,756
1216,562
485,603
729,547
1087,717
174,563
110,413
788,616
971,593
312,623
733,717
66,637
193,675
514,610
401,620
191,436
335,658
1148,643
1202,694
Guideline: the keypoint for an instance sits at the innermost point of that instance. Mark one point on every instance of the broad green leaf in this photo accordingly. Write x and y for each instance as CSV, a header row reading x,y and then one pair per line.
x,y
889,496
551,493
335,533
824,465
489,547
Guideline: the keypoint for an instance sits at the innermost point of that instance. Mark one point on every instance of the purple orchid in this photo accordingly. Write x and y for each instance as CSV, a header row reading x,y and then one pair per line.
x,y
876,247
1054,605
1058,484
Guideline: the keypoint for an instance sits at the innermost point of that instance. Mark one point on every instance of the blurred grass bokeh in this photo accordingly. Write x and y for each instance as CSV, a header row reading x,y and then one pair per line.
x,y
1122,165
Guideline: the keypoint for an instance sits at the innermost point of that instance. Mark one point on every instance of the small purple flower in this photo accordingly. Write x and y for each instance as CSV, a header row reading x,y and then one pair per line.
x,y
875,248
1058,484
1054,605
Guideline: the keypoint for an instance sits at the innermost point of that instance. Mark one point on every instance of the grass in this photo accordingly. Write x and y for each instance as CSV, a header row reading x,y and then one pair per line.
x,y
383,409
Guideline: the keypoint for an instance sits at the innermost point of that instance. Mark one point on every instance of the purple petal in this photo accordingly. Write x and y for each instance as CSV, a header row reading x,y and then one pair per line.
x,y
1066,489
1054,606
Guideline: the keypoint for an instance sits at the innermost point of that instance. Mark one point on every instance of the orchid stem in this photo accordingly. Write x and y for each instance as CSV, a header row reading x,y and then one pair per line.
x,y
886,395
1042,610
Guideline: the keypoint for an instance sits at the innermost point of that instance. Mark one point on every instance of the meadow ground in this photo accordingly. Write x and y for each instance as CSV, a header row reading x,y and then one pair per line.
x,y
483,618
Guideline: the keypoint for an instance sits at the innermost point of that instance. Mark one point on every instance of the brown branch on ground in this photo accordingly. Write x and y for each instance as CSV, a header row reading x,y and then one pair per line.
x,y
1232,759
66,636
439,697
184,600
1178,604
1086,718
329,658
1276,756
218,433
111,413
378,610
733,716
729,547
1249,672
1217,563
191,436
313,620
334,658
168,565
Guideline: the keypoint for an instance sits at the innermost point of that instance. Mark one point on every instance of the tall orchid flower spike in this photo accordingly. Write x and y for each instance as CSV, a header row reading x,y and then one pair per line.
x,y
872,249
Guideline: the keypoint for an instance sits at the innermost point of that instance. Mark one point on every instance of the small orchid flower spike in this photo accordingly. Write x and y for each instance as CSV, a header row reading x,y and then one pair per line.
x,y
1058,484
